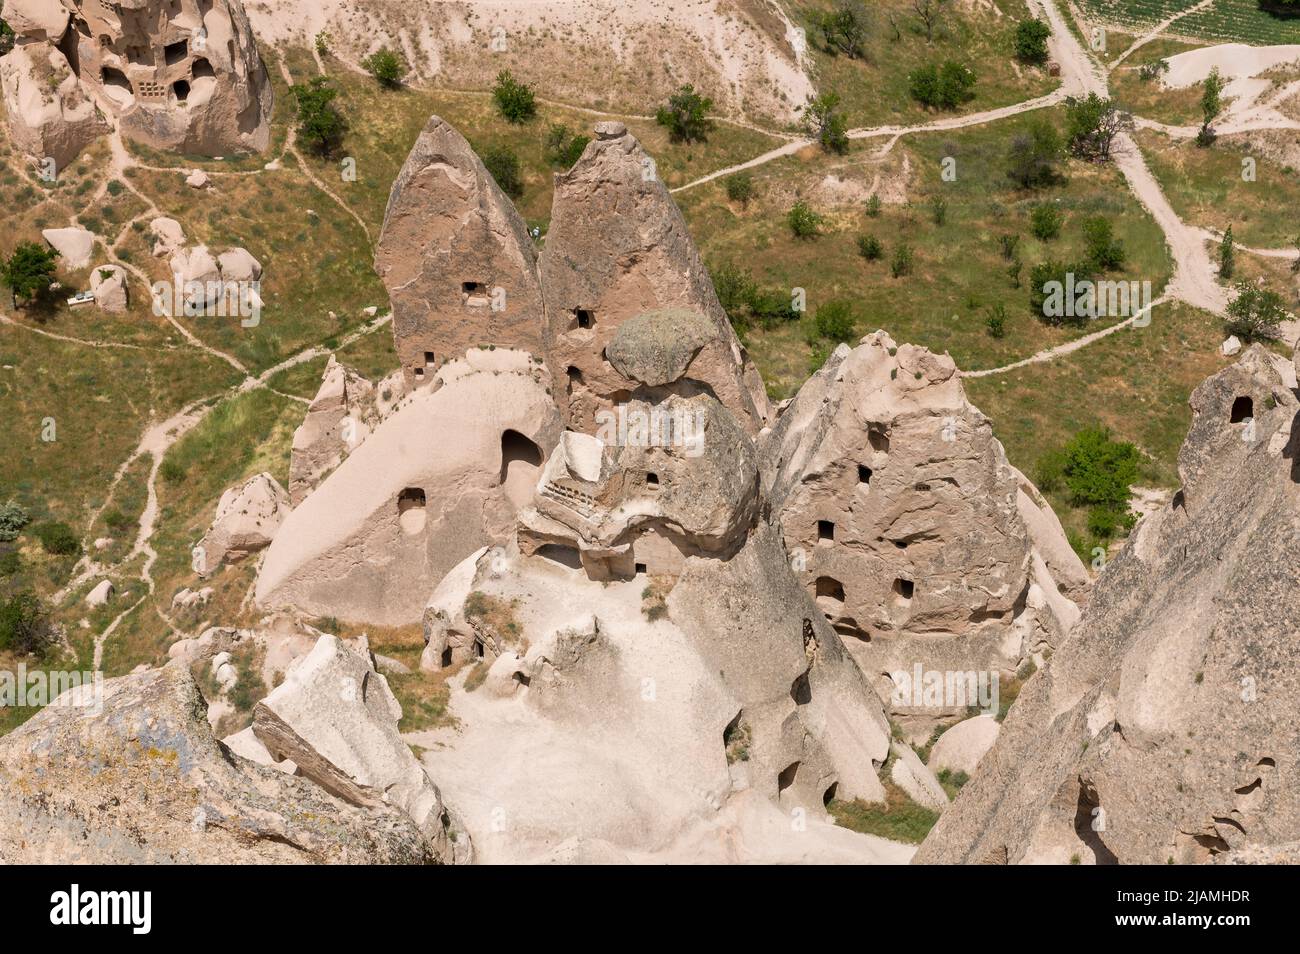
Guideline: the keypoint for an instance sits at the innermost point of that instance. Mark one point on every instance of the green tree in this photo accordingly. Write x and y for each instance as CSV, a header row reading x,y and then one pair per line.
x,y
870,248
563,148
1091,125
24,625
686,115
943,86
320,125
903,260
803,221
836,321
1211,105
1256,313
844,29
6,38
386,67
1045,221
996,320
740,187
504,167
30,271
1048,284
823,121
1097,472
1104,252
12,520
1227,255
1034,154
1031,41
515,100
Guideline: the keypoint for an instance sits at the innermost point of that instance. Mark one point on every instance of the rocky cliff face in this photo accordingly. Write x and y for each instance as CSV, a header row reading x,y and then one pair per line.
x,y
135,776
904,519
1164,729
459,265
183,75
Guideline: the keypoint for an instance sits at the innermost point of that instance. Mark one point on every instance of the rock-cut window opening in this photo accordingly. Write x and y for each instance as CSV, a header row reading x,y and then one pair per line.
x,y
1243,409
864,474
652,480
825,531
182,90
517,450
174,53
904,589
829,588
583,318
878,439
202,69
411,514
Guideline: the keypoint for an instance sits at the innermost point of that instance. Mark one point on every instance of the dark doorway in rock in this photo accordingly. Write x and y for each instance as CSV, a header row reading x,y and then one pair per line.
x,y
641,569
173,53
182,90
652,480
1243,408
411,510
864,474
202,69
828,796
583,318
517,449
904,589
479,649
878,439
825,531
787,777
801,690
830,588
446,657
559,553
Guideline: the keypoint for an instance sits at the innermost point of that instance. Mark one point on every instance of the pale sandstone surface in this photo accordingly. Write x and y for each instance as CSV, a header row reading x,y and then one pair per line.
x,y
166,791
1164,728
247,519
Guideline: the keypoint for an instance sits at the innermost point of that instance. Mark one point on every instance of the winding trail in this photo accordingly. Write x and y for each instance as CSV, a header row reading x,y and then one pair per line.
x,y
1156,31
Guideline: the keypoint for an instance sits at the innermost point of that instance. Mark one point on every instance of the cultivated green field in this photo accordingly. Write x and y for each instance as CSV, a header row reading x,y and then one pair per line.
x,y
1226,20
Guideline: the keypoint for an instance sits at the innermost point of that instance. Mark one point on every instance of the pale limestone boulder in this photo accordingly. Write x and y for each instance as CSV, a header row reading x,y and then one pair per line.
x,y
108,284
456,258
101,594
914,777
188,599
341,416
960,748
617,247
198,179
167,792
238,265
36,19
336,719
50,115
439,478
1163,731
246,521
1231,346
245,744
73,244
169,236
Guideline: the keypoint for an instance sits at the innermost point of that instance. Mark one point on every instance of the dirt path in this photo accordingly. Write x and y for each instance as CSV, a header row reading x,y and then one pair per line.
x,y
1156,31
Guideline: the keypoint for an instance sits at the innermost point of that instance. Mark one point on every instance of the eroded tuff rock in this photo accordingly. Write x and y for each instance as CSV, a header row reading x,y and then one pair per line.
x,y
618,247
905,522
456,258
142,780
246,520
344,412
336,719
1164,729
50,114
439,478
183,75
675,686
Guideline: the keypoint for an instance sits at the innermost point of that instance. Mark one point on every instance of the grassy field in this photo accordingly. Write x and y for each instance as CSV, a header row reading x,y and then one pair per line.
x,y
1225,20
1146,97
875,91
959,272
1206,187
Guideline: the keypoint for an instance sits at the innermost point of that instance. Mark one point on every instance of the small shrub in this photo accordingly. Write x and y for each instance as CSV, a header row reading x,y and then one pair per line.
x,y
563,148
803,221
25,626
1045,222
942,86
902,261
873,206
1227,254
504,167
117,521
686,115
386,67
57,538
12,520
870,248
740,187
835,321
938,209
515,100
1104,252
1007,245
1256,313
996,320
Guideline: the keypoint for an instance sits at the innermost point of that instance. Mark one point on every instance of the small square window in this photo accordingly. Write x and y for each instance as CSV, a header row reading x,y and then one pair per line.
x,y
652,480
864,474
825,531
584,318
640,569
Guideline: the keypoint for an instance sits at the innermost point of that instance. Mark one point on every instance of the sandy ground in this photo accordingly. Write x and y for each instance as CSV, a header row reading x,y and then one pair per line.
x,y
571,47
